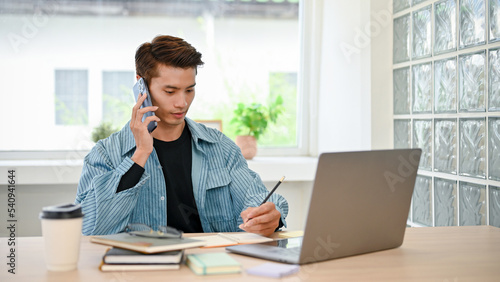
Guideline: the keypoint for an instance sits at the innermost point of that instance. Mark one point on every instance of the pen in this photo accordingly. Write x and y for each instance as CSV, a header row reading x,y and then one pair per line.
x,y
268,195
272,191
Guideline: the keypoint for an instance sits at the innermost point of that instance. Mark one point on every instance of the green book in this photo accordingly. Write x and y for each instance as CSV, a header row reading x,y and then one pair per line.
x,y
212,263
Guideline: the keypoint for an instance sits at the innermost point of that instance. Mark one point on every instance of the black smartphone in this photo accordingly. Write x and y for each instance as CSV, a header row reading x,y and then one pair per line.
x,y
142,87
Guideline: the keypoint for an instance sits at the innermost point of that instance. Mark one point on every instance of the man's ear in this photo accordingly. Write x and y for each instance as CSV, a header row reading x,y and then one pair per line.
x,y
137,76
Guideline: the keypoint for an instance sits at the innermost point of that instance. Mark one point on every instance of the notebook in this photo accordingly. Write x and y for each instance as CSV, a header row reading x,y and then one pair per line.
x,y
212,263
124,256
274,270
146,245
229,239
359,204
138,267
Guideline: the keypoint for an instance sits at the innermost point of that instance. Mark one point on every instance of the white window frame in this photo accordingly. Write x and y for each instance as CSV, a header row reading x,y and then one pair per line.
x,y
310,19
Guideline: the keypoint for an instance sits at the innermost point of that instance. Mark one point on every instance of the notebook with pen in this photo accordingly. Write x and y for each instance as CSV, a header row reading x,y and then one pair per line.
x,y
359,204
229,239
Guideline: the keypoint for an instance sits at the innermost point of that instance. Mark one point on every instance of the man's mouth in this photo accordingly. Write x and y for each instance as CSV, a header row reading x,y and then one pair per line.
x,y
178,115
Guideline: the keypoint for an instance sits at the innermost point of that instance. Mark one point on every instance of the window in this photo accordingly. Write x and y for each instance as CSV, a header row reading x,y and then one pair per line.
x,y
71,97
81,64
117,99
283,84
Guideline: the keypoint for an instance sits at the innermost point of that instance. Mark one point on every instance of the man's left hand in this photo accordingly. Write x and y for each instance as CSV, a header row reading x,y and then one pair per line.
x,y
262,220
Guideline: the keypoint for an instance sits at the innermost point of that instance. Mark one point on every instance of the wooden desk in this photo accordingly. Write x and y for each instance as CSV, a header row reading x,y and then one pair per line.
x,y
427,254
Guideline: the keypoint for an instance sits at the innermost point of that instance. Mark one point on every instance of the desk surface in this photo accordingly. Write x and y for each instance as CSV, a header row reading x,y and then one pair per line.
x,y
427,254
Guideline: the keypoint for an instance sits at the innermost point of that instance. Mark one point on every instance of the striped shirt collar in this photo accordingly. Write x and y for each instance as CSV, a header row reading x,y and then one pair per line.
x,y
198,132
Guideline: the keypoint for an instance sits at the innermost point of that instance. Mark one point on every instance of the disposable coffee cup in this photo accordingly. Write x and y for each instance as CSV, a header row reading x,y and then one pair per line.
x,y
62,231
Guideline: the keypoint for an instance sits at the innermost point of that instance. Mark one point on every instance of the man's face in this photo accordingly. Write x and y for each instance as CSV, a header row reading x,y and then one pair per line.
x,y
173,92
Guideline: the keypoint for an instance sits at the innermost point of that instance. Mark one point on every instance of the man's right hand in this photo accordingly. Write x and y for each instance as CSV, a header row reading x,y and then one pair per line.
x,y
143,139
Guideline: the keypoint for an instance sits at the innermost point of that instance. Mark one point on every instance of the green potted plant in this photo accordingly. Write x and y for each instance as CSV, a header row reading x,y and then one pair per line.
x,y
252,121
103,131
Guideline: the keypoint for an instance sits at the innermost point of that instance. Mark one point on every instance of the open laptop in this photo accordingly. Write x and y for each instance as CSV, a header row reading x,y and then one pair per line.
x,y
359,204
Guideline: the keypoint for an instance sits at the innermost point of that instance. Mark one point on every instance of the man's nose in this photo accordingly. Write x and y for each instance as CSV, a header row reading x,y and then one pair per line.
x,y
180,101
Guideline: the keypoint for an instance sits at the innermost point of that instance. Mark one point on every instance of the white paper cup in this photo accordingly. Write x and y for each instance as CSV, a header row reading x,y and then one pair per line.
x,y
62,231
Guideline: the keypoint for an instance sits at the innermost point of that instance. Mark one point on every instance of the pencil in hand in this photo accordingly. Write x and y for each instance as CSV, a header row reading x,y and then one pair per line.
x,y
272,191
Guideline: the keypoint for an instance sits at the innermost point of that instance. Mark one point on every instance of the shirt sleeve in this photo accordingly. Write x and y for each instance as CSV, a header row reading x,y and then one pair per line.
x,y
280,225
256,192
105,210
130,178
249,190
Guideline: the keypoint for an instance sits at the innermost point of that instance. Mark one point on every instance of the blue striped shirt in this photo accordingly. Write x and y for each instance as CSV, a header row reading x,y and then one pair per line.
x,y
223,185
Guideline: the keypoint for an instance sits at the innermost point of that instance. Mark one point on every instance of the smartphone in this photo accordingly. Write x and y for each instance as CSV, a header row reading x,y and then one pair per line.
x,y
142,87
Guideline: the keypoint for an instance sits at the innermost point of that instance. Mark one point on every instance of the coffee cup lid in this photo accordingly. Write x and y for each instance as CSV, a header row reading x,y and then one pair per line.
x,y
62,211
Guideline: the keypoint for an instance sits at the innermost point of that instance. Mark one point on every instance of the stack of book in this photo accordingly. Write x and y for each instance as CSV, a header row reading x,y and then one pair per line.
x,y
116,259
136,253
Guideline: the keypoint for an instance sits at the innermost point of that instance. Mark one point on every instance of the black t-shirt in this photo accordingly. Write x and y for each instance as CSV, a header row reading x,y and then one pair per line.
x,y
176,161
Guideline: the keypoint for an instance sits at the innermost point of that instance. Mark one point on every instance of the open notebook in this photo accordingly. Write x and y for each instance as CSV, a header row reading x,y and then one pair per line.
x,y
230,239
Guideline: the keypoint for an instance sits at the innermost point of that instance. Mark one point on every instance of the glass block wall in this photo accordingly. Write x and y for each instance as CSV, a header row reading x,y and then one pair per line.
x,y
446,85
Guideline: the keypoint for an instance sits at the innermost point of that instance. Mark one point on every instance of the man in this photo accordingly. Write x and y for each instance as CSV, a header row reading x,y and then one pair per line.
x,y
183,174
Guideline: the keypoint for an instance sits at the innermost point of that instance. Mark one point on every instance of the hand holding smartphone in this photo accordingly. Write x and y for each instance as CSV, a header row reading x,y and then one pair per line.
x,y
139,88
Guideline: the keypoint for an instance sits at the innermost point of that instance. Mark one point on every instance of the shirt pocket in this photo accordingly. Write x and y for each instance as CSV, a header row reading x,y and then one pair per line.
x,y
219,202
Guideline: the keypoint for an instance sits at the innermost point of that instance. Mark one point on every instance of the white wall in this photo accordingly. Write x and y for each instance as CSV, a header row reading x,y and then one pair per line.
x,y
382,130
355,77
344,86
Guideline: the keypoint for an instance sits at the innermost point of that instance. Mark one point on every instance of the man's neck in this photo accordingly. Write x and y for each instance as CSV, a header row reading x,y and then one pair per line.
x,y
167,133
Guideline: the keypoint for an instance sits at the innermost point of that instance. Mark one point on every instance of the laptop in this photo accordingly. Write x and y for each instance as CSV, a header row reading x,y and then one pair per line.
x,y
359,204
